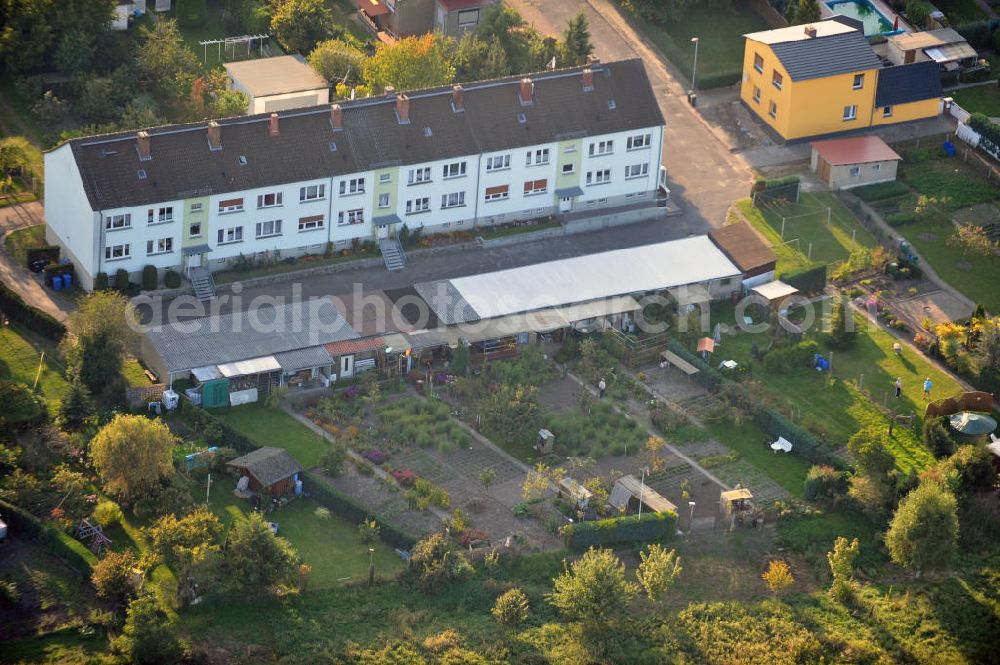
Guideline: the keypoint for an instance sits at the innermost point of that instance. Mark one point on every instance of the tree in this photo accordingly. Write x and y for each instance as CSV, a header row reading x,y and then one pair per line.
x,y
31,31
20,406
434,564
300,24
113,575
593,589
76,409
576,41
487,477
873,496
477,59
148,634
868,449
802,11
919,13
256,559
986,356
513,36
190,13
132,454
338,61
937,438
511,608
842,333
972,238
229,103
101,334
460,359
96,102
841,561
923,534
16,154
164,58
409,64
778,576
175,539
658,571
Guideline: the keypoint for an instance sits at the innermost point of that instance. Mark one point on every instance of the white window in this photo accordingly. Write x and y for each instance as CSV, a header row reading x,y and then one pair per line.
x,y
855,171
777,79
383,200
230,205
454,170
756,94
636,170
886,111
639,141
346,217
232,234
876,168
385,177
535,187
161,216
453,200
312,192
161,246
498,193
498,162
269,200
195,207
420,175
567,169
537,157
773,110
311,223
269,229
859,81
602,148
352,186
117,252
414,206
115,222
850,112
598,177
758,62
195,230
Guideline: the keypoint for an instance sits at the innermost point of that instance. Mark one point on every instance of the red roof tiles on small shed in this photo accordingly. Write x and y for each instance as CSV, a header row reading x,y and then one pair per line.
x,y
349,346
855,150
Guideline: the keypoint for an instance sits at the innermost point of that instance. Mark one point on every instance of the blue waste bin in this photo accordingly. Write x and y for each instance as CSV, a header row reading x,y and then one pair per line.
x,y
56,282
949,148
67,280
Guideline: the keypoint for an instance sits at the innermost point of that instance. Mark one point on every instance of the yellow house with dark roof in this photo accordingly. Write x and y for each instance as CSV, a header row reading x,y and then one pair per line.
x,y
824,78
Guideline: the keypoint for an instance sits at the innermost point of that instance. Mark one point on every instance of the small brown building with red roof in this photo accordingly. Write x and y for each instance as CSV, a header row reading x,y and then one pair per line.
x,y
853,162
747,250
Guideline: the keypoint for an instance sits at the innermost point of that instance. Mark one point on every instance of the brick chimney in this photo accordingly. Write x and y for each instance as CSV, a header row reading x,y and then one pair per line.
x,y
214,136
588,79
272,126
403,109
336,117
810,31
390,91
457,98
527,91
142,146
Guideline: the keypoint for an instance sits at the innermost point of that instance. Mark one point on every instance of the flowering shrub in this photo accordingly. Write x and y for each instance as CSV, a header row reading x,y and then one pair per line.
x,y
375,456
350,392
405,477
472,536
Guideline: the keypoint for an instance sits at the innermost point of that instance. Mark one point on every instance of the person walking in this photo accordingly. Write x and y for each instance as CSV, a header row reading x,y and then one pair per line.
x,y
927,387
899,387
601,387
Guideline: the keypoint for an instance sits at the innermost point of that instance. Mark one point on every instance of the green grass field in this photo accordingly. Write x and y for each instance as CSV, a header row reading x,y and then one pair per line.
x,y
274,427
17,243
720,30
982,99
788,471
961,11
20,353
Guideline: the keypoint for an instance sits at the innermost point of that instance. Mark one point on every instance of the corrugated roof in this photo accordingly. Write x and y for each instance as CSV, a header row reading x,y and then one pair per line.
x,y
819,57
268,465
629,486
240,336
743,246
182,165
950,53
275,76
774,290
354,346
855,150
582,279
293,361
249,366
928,38
903,84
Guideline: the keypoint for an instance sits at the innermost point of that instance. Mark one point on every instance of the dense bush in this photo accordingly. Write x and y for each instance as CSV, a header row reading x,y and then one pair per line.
x,y
650,528
101,281
988,131
172,279
824,483
435,564
978,33
901,218
15,309
937,438
150,278
881,191
121,280
791,358
807,280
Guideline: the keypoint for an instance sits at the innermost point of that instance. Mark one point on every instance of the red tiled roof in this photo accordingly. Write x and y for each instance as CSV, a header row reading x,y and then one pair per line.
x,y
457,5
856,150
373,7
347,346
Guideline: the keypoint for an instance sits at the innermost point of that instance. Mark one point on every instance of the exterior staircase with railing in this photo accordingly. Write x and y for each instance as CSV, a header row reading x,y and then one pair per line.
x,y
392,254
204,285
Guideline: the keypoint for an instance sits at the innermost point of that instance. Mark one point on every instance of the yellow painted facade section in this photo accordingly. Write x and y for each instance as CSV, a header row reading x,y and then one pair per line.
x,y
816,107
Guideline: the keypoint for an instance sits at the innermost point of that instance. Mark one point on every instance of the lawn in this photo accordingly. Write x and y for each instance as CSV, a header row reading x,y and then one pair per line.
x,y
274,427
981,99
17,243
809,239
20,353
929,172
961,11
329,544
788,471
720,29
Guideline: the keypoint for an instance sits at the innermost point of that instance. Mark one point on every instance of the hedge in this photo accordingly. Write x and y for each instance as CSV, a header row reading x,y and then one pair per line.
x,y
881,191
807,280
989,133
201,420
979,33
650,528
150,278
14,307
71,551
344,506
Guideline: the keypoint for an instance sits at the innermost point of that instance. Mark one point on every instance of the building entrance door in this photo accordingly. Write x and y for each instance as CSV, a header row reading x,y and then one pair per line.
x,y
346,366
565,204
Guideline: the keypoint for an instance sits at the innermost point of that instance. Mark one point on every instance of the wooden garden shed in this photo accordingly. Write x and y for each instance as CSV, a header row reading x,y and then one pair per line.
x,y
271,469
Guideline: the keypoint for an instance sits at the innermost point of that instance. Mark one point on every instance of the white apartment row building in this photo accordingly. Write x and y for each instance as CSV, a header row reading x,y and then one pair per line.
x,y
299,181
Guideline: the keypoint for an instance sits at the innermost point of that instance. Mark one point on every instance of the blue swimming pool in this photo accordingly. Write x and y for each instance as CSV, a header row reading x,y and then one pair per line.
x,y
875,22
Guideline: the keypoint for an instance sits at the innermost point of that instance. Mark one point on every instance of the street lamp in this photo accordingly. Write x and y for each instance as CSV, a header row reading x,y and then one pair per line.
x,y
694,68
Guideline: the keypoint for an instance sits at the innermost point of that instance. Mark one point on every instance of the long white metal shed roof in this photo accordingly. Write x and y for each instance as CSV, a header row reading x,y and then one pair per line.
x,y
595,276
